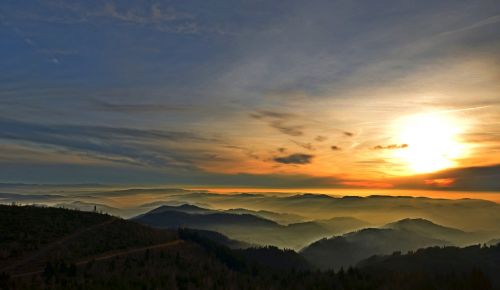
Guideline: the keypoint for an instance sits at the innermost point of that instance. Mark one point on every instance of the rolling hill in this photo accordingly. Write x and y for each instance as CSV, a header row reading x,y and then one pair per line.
x,y
429,229
168,218
281,218
349,249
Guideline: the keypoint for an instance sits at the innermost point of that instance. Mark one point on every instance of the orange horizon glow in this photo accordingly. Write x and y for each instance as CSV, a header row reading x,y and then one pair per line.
x,y
363,192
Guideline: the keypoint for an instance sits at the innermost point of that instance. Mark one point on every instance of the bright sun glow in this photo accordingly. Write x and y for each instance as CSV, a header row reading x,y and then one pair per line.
x,y
432,142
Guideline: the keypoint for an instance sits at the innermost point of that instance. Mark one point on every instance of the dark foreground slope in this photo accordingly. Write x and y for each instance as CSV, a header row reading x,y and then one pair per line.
x,y
48,248
52,248
482,263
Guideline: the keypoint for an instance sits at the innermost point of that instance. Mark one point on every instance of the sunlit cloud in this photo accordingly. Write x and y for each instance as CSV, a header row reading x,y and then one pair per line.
x,y
440,182
391,146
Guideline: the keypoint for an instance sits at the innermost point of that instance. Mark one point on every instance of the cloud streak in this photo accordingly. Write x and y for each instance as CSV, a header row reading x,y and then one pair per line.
x,y
135,108
124,145
280,121
390,147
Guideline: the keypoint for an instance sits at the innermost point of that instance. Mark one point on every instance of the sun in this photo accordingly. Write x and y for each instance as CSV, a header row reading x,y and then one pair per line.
x,y
432,142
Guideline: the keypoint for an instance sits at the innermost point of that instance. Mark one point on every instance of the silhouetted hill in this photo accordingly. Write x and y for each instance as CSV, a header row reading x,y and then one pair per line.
x,y
452,261
429,229
281,218
493,242
186,208
347,250
62,248
33,235
248,228
86,206
164,217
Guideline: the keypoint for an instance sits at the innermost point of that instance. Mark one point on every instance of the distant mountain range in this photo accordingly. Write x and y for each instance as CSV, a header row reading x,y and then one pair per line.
x,y
246,226
250,228
481,216
379,210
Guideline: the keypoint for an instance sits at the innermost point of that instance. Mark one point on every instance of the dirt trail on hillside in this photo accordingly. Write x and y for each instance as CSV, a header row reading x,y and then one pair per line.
x,y
128,252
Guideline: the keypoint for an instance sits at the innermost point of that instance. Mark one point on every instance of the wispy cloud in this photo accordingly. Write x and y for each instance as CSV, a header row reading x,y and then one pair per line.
x,y
320,138
165,18
124,145
34,46
487,21
135,108
307,146
156,14
280,121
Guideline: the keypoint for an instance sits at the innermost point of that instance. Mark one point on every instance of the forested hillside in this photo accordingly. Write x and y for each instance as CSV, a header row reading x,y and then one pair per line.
x,y
50,248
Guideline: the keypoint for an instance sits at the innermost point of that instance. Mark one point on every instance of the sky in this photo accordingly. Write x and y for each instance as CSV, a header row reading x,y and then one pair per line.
x,y
254,94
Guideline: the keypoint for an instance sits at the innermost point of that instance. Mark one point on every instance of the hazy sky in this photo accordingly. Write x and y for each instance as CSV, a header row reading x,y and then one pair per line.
x,y
377,94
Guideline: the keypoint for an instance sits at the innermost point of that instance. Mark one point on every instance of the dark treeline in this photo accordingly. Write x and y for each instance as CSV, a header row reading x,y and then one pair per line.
x,y
198,262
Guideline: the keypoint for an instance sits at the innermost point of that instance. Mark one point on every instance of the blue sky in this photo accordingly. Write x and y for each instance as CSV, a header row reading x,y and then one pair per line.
x,y
213,92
